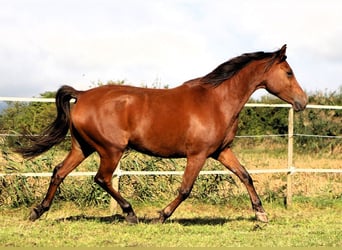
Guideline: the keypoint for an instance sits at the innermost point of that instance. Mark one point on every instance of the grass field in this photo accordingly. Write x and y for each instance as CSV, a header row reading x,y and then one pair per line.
x,y
308,223
313,220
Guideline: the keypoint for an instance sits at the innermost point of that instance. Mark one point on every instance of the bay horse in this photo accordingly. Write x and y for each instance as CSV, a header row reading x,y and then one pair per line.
x,y
196,120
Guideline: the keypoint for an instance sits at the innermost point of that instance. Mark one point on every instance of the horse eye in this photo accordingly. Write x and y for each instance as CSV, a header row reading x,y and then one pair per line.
x,y
289,73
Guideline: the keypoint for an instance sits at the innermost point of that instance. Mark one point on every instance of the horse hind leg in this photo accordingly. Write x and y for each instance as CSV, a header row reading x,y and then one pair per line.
x,y
193,167
73,159
104,179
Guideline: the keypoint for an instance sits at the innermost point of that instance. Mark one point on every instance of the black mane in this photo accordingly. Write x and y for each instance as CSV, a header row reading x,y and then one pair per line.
x,y
228,69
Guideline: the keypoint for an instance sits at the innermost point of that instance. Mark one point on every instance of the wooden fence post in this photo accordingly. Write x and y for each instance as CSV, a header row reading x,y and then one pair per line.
x,y
290,159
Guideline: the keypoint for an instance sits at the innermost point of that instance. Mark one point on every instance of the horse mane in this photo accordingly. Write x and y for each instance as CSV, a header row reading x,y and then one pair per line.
x,y
230,68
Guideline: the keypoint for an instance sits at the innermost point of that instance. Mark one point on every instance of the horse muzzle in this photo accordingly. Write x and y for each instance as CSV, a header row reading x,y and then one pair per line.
x,y
300,104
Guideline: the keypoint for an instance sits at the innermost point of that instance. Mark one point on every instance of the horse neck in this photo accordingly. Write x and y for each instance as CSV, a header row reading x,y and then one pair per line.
x,y
236,91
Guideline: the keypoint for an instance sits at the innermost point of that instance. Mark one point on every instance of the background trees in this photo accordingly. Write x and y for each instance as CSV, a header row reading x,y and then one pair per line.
x,y
20,118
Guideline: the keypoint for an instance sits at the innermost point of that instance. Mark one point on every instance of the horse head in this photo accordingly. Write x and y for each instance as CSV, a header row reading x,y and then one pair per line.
x,y
281,81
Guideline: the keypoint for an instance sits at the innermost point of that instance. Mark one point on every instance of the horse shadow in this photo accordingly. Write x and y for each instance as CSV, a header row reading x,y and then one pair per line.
x,y
118,218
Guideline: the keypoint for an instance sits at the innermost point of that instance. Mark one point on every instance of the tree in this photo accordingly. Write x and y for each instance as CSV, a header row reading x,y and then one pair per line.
x,y
20,118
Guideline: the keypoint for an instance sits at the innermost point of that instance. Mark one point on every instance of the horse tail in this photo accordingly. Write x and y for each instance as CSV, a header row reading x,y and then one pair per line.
x,y
57,130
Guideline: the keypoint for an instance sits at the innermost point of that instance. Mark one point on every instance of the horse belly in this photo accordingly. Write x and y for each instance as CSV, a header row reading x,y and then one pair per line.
x,y
173,135
165,142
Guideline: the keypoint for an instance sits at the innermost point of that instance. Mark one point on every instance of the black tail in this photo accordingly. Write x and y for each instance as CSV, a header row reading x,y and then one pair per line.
x,y
56,131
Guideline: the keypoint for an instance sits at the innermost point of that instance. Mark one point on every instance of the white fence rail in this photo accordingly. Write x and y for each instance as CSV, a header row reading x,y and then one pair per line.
x,y
290,170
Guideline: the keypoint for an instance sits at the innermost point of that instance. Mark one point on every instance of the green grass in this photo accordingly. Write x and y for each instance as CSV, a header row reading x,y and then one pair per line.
x,y
308,223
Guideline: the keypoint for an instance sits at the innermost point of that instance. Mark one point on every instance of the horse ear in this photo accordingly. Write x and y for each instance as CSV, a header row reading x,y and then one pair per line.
x,y
282,53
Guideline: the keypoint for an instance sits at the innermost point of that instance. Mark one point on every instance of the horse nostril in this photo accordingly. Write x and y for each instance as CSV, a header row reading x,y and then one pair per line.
x,y
299,106
300,102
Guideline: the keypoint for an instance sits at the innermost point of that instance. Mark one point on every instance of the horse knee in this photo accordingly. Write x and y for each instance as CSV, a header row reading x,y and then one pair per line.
x,y
98,180
184,193
246,178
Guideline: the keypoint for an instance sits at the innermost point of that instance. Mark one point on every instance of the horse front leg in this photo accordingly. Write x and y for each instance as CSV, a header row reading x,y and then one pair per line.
x,y
228,159
192,169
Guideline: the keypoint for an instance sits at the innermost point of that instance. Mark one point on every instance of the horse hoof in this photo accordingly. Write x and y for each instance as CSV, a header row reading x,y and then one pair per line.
x,y
261,216
34,215
159,220
162,217
36,212
131,219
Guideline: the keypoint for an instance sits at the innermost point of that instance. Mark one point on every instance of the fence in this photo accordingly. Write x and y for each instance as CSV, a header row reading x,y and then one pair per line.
x,y
290,170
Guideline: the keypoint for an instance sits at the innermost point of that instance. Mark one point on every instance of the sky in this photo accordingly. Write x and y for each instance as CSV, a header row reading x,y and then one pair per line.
x,y
46,44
